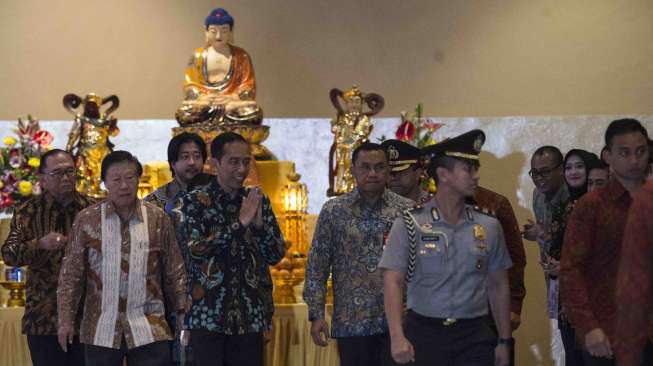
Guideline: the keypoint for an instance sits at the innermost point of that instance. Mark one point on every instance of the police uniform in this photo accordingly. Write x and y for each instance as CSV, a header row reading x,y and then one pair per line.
x,y
446,268
402,156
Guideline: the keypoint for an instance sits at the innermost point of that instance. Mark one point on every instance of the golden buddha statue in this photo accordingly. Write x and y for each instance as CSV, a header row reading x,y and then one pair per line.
x,y
88,140
351,127
219,84
220,89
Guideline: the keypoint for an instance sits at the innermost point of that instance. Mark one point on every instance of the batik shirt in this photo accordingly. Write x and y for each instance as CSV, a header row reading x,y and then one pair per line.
x,y
229,278
544,209
124,267
635,281
500,207
590,259
32,221
165,196
348,243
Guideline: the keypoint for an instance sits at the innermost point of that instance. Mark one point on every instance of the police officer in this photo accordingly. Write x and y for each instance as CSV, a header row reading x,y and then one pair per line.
x,y
405,170
453,259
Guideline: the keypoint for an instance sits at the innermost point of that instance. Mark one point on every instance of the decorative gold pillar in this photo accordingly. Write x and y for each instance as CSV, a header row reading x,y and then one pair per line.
x,y
294,196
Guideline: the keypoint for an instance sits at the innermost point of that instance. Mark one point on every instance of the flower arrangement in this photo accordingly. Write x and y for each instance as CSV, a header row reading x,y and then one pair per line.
x,y
19,160
417,130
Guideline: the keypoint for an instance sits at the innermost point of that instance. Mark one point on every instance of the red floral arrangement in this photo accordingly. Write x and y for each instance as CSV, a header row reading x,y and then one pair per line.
x,y
415,129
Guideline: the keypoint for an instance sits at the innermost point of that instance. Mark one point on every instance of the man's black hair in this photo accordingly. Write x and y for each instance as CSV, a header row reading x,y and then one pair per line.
x,y
174,146
47,155
119,156
448,163
367,146
218,143
557,154
621,127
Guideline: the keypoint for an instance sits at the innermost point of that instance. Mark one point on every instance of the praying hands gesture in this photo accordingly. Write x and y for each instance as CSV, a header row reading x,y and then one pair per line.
x,y
251,210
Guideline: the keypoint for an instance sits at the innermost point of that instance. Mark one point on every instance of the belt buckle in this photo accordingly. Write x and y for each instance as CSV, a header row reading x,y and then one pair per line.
x,y
449,321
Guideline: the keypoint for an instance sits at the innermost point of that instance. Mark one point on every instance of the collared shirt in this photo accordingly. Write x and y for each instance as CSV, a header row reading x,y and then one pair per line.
x,y
229,278
635,281
165,196
32,221
590,258
124,267
500,207
543,207
452,261
348,243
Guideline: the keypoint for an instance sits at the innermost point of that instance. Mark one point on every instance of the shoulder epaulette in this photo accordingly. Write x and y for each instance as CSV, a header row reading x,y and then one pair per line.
x,y
422,201
485,211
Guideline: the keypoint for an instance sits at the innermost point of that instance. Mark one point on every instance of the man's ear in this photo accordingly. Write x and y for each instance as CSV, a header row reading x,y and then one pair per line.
x,y
442,173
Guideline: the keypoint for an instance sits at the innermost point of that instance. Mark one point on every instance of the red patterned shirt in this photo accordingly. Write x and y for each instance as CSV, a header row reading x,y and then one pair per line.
x,y
501,208
634,282
590,258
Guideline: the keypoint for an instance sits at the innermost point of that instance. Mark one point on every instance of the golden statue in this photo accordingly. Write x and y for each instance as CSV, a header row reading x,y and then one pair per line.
x,y
88,140
351,127
220,89
219,85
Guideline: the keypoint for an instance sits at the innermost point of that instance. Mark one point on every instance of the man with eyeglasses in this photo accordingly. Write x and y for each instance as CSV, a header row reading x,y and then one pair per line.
x,y
550,192
37,237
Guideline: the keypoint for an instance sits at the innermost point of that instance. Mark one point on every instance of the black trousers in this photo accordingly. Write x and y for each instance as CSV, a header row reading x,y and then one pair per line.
x,y
218,349
373,350
573,351
647,356
46,351
153,354
467,342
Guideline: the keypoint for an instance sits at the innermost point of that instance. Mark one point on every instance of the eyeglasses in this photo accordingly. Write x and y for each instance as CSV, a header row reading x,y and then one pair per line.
x,y
544,173
60,173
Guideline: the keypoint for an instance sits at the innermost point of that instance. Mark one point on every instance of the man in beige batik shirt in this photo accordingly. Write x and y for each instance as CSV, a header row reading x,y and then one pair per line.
x,y
124,255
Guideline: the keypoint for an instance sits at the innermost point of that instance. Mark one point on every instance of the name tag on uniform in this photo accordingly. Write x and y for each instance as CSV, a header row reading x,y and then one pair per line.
x,y
430,237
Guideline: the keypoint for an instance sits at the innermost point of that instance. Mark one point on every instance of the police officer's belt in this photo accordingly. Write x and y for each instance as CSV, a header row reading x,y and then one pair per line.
x,y
443,321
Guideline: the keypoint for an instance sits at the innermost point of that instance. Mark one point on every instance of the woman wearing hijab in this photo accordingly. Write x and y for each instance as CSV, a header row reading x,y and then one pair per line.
x,y
576,166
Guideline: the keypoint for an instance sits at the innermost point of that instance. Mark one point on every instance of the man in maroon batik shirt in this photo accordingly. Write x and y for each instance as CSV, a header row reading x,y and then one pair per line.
x,y
635,284
592,244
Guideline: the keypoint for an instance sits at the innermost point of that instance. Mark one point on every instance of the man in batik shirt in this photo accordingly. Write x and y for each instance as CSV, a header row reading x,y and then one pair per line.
x,y
635,284
186,157
348,243
38,233
124,256
229,237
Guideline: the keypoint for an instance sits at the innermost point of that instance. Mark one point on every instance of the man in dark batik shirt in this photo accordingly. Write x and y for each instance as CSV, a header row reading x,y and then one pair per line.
x,y
229,237
635,284
593,241
186,157
37,237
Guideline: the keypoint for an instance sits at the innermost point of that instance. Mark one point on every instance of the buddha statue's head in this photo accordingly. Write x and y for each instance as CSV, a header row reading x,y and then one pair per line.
x,y
219,28
353,100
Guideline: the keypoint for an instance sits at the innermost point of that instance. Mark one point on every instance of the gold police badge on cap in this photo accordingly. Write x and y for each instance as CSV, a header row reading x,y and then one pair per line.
x,y
393,153
478,144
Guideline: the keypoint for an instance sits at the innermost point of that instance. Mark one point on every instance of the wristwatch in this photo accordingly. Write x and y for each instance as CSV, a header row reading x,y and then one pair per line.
x,y
507,341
